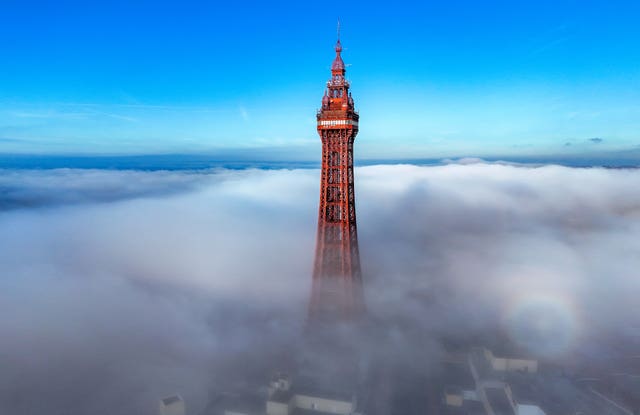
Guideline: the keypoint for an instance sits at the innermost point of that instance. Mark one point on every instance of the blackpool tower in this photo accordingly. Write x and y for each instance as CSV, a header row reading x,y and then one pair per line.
x,y
337,293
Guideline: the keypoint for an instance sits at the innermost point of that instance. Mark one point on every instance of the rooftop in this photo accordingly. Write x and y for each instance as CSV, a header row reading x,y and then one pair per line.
x,y
171,399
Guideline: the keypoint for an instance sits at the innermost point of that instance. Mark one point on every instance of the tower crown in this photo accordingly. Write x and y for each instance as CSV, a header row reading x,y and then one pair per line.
x,y
337,103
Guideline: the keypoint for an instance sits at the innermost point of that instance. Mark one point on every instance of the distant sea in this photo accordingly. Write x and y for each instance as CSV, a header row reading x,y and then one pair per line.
x,y
175,162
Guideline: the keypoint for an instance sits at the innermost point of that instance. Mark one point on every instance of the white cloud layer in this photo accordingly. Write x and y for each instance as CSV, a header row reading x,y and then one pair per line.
x,y
119,287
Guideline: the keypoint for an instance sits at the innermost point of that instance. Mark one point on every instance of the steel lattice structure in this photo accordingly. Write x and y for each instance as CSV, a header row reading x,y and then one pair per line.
x,y
337,278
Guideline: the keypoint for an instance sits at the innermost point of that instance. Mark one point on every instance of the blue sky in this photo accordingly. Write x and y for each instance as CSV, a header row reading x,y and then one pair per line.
x,y
445,79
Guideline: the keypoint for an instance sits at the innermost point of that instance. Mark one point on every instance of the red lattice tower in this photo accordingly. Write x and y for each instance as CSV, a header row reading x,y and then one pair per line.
x,y
337,279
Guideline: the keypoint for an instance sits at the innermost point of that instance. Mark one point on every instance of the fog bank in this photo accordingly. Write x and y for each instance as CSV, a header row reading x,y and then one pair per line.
x,y
120,287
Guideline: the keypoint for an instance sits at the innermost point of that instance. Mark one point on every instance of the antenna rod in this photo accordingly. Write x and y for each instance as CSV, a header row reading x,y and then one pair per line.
x,y
338,28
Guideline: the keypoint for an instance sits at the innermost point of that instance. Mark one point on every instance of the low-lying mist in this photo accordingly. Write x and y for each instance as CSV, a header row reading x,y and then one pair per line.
x,y
121,287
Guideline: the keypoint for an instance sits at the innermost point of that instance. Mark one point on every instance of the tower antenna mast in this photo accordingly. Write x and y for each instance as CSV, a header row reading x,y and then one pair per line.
x,y
338,28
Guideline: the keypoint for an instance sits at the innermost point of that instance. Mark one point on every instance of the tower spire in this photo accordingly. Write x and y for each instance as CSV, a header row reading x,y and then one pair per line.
x,y
338,44
338,67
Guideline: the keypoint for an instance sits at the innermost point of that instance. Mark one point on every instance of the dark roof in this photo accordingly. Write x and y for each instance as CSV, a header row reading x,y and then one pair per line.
x,y
171,399
281,396
458,375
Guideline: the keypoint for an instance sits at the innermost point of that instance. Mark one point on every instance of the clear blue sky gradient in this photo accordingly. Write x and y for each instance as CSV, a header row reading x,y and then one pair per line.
x,y
430,79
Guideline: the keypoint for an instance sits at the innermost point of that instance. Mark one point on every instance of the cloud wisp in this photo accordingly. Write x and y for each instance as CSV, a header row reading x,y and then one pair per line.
x,y
45,188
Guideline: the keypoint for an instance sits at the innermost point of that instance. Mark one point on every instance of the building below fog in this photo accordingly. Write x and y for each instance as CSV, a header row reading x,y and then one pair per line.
x,y
298,399
478,386
286,397
478,383
172,405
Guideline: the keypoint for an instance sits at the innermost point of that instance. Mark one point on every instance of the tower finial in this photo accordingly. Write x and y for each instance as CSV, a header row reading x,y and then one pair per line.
x,y
338,45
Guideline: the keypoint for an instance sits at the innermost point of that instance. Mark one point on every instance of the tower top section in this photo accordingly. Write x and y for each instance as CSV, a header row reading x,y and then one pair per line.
x,y
337,103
